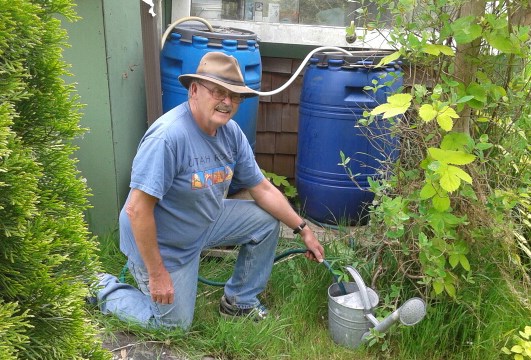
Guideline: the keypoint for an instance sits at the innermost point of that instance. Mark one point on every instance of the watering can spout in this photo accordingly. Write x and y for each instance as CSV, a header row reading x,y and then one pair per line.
x,y
409,314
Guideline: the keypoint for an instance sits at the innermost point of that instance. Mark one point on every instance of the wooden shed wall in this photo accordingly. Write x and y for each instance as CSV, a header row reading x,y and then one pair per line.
x,y
278,117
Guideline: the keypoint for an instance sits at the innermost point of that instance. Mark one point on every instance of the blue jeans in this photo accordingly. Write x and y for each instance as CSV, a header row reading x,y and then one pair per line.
x,y
241,223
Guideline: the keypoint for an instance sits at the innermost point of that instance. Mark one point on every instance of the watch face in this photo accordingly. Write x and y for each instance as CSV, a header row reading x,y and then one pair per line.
x,y
258,6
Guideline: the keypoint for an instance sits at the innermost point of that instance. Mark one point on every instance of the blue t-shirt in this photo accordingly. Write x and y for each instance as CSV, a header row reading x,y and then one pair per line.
x,y
190,173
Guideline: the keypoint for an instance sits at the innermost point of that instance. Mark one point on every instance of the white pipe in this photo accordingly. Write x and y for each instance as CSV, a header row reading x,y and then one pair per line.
x,y
260,93
288,83
181,20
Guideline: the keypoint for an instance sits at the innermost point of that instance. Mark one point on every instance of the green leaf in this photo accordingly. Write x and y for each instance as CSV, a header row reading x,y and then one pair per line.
x,y
451,177
451,156
396,105
449,181
444,118
446,50
454,260
290,191
460,173
431,49
427,191
450,289
427,112
466,29
456,141
464,99
517,349
441,203
436,49
484,146
506,351
434,165
460,246
464,262
389,58
438,287
496,22
501,41
480,95
446,123
478,91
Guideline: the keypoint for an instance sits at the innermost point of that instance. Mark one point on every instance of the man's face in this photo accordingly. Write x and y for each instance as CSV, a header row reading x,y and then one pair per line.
x,y
215,104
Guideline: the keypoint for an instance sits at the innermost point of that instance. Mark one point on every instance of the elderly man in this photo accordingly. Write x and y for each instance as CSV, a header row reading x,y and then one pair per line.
x,y
177,207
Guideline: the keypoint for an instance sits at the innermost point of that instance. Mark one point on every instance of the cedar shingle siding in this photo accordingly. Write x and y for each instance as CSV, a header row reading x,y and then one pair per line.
x,y
278,117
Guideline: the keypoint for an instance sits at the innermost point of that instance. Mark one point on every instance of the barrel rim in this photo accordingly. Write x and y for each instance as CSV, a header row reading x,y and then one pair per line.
x,y
188,31
356,59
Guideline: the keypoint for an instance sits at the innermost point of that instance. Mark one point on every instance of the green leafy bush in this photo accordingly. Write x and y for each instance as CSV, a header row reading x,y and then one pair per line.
x,y
451,222
521,348
46,252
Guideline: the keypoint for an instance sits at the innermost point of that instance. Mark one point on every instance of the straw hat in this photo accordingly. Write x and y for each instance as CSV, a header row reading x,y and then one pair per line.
x,y
220,69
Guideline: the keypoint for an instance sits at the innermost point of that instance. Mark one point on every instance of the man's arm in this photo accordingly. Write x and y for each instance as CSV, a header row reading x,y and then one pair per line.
x,y
140,210
269,198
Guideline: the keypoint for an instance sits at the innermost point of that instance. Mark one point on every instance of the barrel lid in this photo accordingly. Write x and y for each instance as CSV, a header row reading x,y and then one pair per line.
x,y
220,33
356,59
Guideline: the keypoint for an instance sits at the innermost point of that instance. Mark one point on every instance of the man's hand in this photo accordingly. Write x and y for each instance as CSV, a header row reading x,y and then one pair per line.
x,y
315,249
161,287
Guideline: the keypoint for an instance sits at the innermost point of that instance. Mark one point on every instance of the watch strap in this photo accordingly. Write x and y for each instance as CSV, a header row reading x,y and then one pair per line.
x,y
299,228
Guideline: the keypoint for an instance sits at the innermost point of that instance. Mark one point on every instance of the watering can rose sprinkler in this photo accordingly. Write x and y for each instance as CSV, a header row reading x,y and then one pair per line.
x,y
350,312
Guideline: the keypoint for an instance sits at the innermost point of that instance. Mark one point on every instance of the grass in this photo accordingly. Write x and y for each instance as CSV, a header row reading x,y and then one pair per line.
x,y
471,328
296,297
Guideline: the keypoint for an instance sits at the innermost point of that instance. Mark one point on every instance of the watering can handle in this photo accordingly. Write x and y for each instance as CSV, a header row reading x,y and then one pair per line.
x,y
181,20
361,286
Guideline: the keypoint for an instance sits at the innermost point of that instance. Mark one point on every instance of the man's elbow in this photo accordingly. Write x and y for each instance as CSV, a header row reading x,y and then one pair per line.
x,y
139,205
132,211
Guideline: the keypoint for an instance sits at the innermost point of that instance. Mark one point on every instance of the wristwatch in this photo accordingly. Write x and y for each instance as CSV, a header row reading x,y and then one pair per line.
x,y
299,228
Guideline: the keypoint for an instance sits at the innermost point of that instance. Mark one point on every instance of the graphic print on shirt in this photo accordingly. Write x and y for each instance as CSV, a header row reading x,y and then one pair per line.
x,y
207,178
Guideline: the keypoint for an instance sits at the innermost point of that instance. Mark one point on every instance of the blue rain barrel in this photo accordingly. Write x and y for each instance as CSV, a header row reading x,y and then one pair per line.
x,y
333,100
185,47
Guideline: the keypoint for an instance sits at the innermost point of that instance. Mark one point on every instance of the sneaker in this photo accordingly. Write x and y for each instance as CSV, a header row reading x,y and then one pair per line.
x,y
228,310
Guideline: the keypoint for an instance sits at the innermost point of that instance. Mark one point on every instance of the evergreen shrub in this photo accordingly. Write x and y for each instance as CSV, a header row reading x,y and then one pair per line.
x,y
46,251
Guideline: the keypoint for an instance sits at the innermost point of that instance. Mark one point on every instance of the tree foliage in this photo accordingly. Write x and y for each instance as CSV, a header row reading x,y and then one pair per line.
x,y
455,211
46,251
464,165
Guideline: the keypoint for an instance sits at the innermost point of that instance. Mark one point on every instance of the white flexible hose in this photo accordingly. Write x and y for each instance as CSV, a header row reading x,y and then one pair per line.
x,y
288,83
181,20
260,93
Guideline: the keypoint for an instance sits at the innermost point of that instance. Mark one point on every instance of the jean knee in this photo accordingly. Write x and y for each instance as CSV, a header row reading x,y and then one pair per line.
x,y
171,317
270,230
268,221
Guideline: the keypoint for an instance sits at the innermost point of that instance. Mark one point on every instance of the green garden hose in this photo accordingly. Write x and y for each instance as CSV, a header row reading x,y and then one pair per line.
x,y
277,258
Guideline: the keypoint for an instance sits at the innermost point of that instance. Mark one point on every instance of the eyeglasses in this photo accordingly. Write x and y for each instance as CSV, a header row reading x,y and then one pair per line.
x,y
220,94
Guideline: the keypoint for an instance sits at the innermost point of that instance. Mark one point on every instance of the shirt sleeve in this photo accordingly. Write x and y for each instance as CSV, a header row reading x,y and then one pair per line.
x,y
154,167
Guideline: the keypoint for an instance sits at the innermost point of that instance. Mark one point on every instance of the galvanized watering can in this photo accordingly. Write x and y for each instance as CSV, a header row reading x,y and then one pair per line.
x,y
350,311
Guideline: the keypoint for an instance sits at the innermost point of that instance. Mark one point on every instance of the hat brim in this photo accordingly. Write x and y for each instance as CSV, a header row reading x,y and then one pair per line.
x,y
242,90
